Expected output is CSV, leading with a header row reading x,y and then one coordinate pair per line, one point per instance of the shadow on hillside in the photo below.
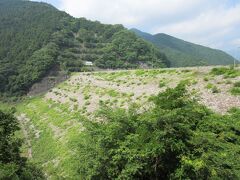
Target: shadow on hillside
x,y
53,78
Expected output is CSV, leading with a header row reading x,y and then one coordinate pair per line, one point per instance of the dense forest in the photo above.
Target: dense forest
x,y
35,37
182,53
24,29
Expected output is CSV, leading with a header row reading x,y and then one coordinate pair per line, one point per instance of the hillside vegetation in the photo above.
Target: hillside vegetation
x,y
158,123
36,37
12,164
130,125
176,139
182,53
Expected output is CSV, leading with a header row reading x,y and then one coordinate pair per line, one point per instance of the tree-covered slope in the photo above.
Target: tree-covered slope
x,y
182,53
25,28
36,37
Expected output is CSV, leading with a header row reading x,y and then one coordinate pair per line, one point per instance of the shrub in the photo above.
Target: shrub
x,y
194,81
112,93
228,82
139,72
219,71
162,84
186,70
209,86
87,103
215,89
235,91
206,79
86,97
176,139
227,72
237,84
131,94
73,99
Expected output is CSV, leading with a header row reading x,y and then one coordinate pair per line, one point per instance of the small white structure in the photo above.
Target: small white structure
x,y
88,63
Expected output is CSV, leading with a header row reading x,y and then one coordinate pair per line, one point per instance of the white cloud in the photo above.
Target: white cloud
x,y
206,22
213,23
236,42
128,12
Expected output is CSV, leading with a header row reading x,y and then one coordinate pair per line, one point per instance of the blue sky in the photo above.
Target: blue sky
x,y
213,23
56,3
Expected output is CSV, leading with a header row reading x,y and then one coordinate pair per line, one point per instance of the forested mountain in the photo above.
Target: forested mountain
x,y
36,37
182,53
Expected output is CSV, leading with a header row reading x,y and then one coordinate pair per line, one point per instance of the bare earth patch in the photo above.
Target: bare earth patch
x,y
23,120
121,88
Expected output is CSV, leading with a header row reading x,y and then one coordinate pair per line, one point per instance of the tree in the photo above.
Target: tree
x,y
12,165
176,139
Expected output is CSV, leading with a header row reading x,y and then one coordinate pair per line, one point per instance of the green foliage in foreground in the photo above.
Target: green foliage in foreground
x,y
12,165
176,139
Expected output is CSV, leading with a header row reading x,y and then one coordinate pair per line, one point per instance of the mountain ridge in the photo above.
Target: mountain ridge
x,y
184,53
36,37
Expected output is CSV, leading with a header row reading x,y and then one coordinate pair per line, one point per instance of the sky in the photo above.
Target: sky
x,y
213,23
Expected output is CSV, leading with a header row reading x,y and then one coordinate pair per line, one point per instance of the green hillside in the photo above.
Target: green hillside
x,y
36,37
121,124
117,110
182,53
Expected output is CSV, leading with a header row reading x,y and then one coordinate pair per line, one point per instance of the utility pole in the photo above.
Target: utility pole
x,y
234,63
237,57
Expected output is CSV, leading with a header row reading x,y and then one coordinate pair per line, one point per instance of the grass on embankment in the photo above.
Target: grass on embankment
x,y
53,132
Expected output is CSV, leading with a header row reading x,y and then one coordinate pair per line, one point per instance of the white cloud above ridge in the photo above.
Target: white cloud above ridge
x,y
119,11
212,23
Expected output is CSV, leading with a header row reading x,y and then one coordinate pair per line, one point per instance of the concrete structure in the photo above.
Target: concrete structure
x,y
88,63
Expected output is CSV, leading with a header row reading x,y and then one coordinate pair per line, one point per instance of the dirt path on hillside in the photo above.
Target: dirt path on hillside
x,y
23,120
